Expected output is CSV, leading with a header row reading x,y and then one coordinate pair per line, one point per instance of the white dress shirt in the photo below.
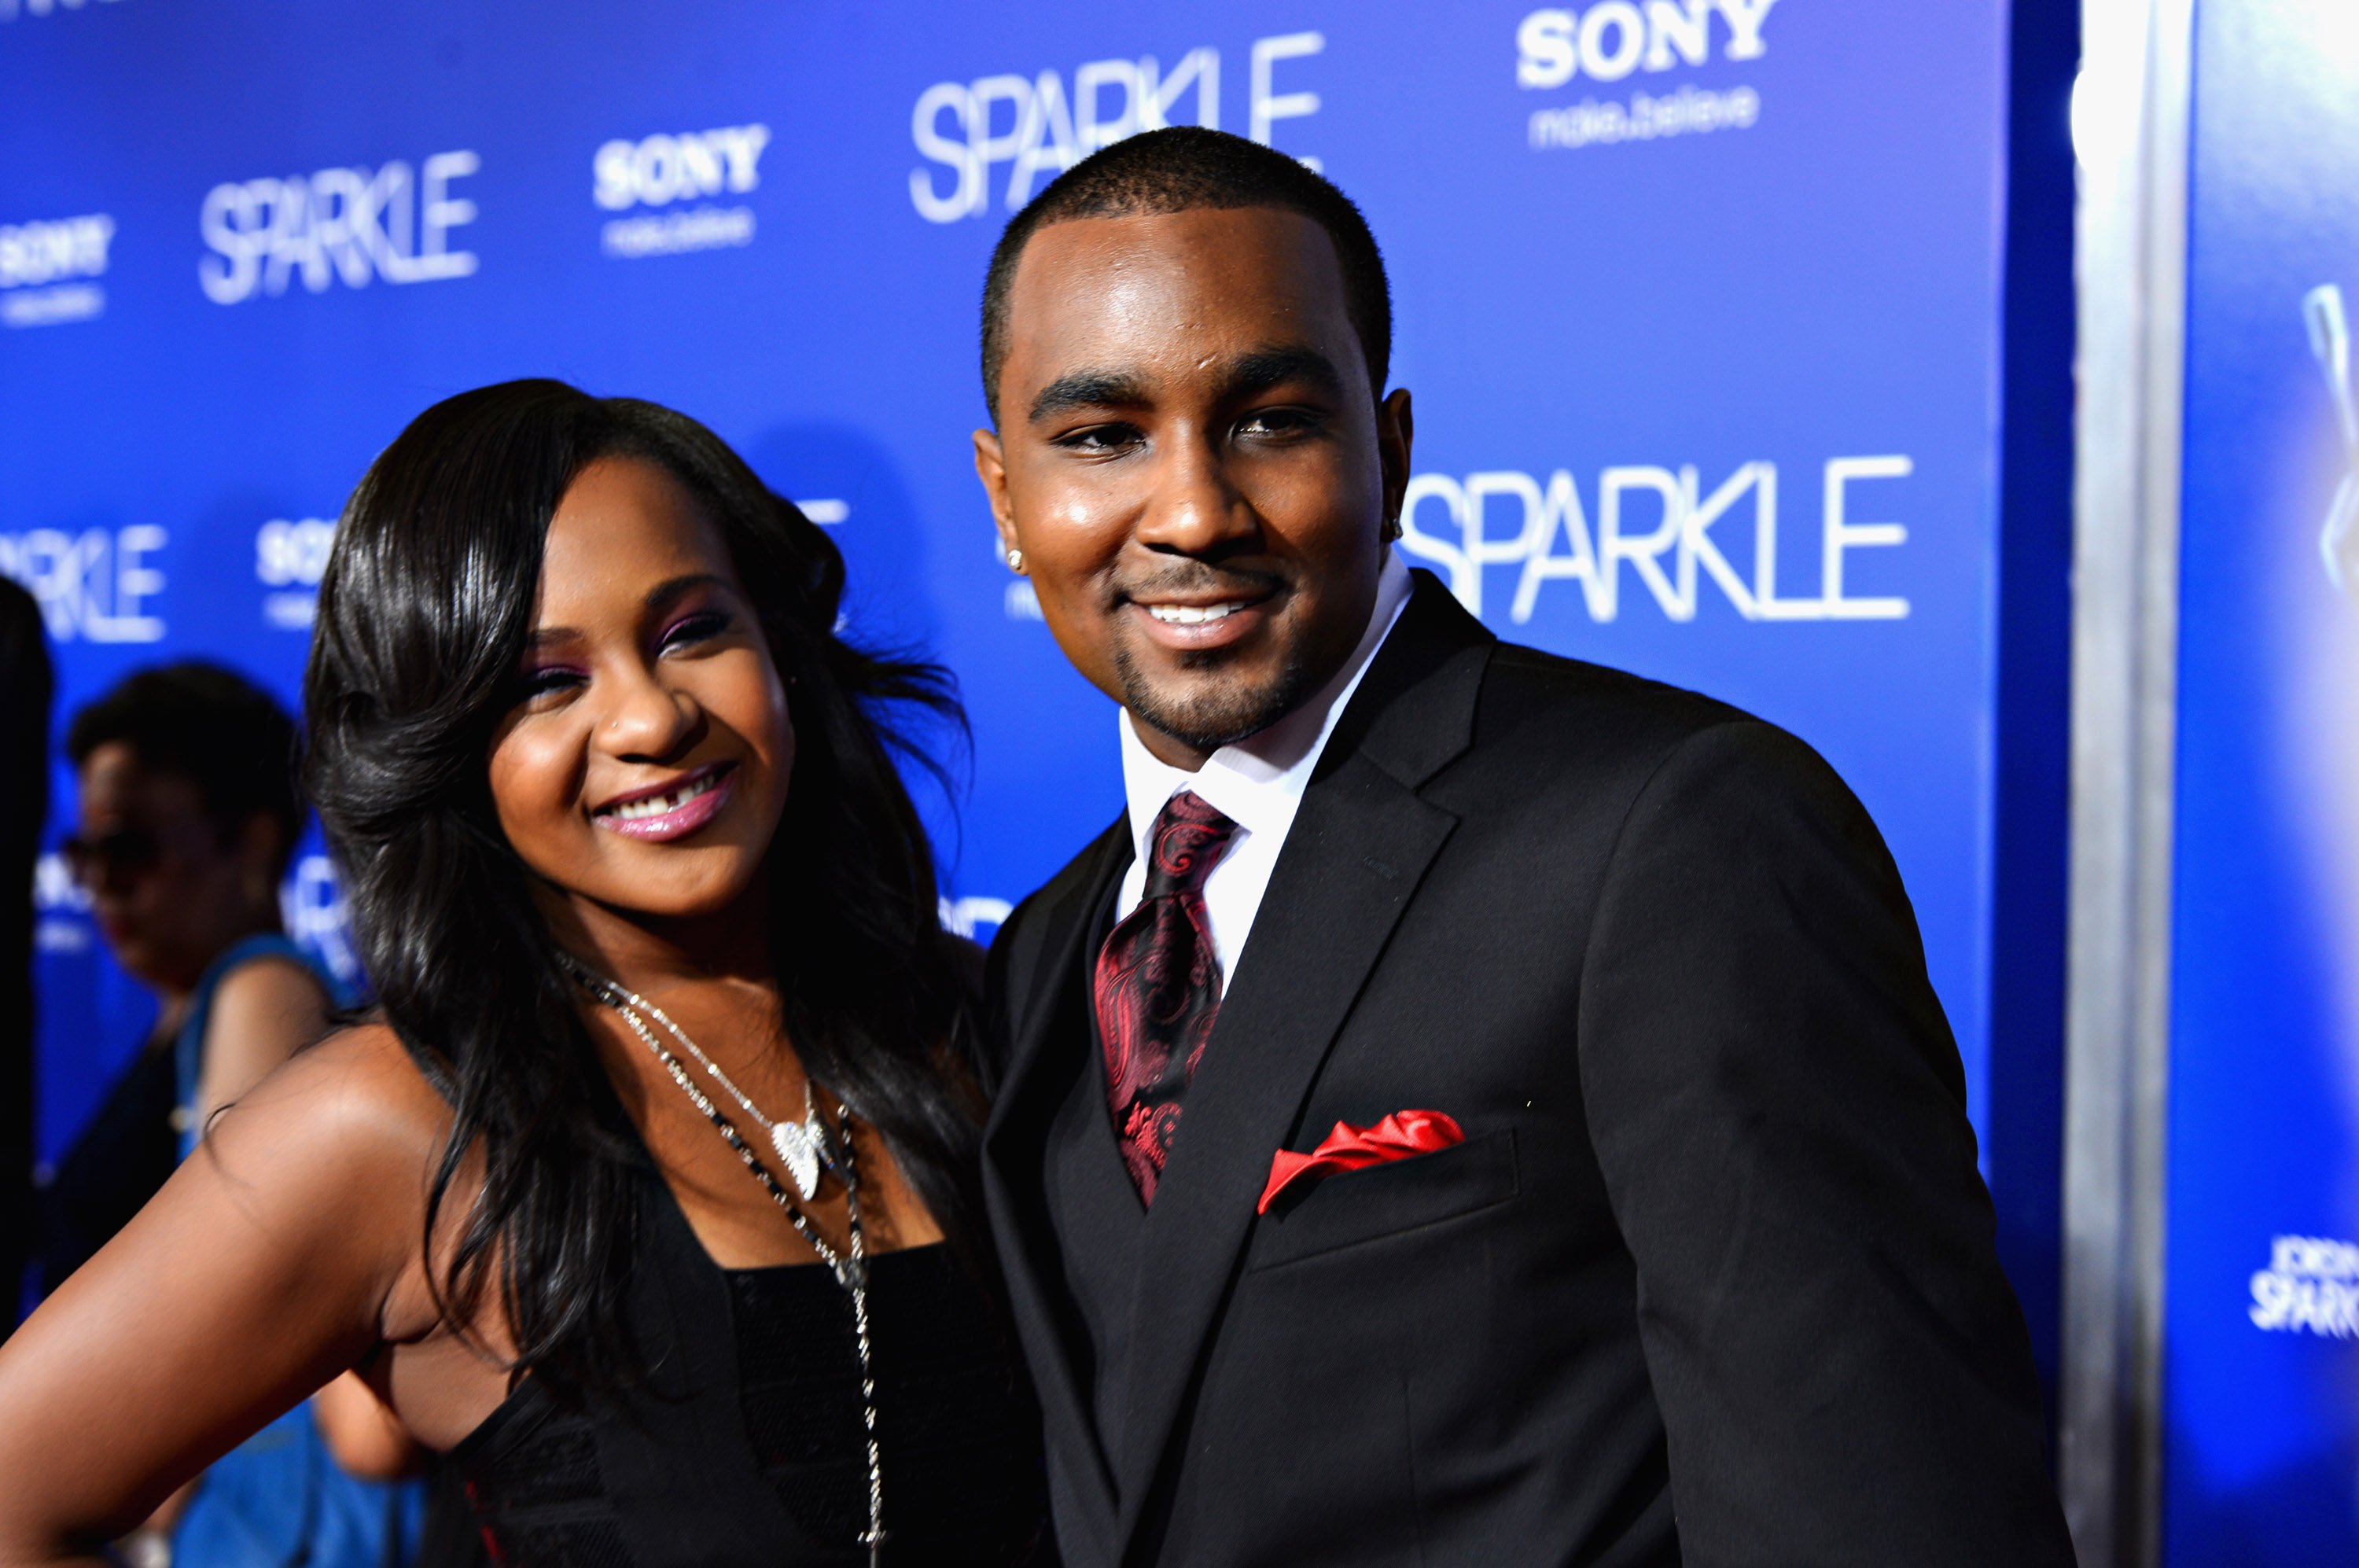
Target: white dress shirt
x,y
1257,783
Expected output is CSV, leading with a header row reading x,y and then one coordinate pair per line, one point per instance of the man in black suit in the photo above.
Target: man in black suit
x,y
1682,1254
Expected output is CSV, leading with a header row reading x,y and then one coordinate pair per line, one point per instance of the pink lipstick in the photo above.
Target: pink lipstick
x,y
671,809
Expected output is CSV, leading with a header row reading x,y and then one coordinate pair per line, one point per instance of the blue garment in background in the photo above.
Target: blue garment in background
x,y
278,1499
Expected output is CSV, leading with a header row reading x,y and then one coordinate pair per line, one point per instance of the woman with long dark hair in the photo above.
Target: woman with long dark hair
x,y
647,1194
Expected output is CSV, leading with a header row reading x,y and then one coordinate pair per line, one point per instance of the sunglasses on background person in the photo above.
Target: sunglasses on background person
x,y
112,856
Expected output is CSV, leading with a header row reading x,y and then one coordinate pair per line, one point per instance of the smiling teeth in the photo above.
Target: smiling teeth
x,y
631,810
1189,615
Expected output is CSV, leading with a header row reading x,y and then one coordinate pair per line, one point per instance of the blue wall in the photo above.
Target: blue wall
x,y
1703,303
2261,1396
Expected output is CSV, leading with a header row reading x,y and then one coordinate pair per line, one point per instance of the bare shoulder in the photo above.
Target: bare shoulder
x,y
354,1102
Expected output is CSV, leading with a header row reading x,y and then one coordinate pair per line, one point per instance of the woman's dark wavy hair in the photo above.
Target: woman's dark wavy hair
x,y
423,617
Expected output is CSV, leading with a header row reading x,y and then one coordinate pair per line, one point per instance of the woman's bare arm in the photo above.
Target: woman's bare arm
x,y
262,1270
263,1013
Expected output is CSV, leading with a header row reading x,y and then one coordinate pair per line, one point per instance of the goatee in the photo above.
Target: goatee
x,y
1214,713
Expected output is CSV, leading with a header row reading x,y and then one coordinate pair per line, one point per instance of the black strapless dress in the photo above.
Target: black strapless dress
x,y
745,1444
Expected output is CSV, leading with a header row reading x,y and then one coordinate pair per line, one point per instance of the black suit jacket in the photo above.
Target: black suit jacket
x,y
1710,1278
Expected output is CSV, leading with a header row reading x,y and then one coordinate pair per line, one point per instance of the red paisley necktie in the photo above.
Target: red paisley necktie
x,y
1157,986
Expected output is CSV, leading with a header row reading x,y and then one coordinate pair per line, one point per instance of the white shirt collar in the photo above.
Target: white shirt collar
x,y
1259,781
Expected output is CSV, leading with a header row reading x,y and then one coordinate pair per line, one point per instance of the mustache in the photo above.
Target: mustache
x,y
1200,578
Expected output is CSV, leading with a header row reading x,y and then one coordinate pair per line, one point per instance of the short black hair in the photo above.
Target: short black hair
x,y
1178,169
208,724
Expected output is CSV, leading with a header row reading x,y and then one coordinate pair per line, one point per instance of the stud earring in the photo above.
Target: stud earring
x,y
1015,560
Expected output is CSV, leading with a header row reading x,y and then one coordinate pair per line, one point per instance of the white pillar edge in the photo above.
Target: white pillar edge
x,y
2132,121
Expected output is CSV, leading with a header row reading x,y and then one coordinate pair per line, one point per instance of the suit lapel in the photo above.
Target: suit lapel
x,y
1358,848
1014,1142
1065,923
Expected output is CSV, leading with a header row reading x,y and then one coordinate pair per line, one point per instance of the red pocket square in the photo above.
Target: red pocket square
x,y
1401,1136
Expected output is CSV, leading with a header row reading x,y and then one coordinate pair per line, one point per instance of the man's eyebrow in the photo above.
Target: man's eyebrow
x,y
1089,390
1244,376
1267,367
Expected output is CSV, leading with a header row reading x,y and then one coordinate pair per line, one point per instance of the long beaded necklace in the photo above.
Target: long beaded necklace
x,y
850,1265
804,1148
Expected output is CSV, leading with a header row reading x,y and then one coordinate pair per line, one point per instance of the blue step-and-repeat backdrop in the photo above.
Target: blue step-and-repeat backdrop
x,y
1700,299
2261,1370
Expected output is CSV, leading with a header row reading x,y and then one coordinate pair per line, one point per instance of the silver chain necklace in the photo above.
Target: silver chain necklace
x,y
849,1265
804,1148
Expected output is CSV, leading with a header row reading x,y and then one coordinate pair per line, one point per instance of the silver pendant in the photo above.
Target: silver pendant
x,y
799,1154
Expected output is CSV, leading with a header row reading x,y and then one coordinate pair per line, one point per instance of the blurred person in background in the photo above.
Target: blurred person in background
x,y
25,689
188,816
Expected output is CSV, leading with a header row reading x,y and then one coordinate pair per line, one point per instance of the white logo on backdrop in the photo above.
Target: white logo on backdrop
x,y
11,10
289,558
2311,1286
310,901
351,225
1020,602
93,586
1608,41
40,267
975,918
1038,127
1659,523
660,170
61,907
